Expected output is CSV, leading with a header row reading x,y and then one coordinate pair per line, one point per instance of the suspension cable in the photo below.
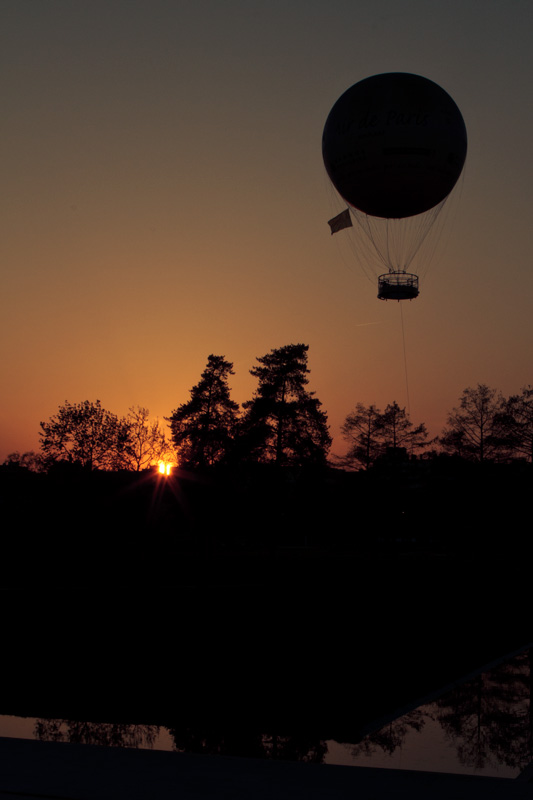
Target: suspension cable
x,y
405,363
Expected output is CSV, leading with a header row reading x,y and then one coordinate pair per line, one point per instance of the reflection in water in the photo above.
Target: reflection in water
x,y
103,733
282,748
183,740
483,726
391,737
489,718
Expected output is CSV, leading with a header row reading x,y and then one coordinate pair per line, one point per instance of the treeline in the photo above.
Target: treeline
x,y
282,424
485,426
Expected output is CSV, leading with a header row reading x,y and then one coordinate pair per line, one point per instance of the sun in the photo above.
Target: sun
x,y
164,468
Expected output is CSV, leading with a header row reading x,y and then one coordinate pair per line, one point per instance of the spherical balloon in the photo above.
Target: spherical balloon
x,y
394,145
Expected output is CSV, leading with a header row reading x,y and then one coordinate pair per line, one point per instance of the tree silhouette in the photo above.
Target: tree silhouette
x,y
87,434
519,409
204,427
476,429
371,433
284,422
361,430
30,460
147,443
397,430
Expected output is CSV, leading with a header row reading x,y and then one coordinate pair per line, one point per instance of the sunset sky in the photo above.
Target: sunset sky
x,y
164,198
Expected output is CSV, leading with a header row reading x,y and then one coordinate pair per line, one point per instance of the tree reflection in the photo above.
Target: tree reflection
x,y
390,737
294,748
488,721
103,733
489,718
252,745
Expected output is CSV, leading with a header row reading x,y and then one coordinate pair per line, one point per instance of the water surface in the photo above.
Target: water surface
x,y
482,726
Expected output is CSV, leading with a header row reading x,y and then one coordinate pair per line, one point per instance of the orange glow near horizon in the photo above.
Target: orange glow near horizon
x,y
118,284
165,468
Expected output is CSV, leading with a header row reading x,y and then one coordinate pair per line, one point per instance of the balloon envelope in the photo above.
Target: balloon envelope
x,y
394,145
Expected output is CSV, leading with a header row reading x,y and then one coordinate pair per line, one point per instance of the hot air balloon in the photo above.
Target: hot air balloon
x,y
394,146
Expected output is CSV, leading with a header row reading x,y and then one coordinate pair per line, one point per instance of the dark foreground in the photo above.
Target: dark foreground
x,y
231,610
42,769
346,642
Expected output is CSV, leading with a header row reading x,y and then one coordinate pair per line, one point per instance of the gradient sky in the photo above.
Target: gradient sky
x,y
164,198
